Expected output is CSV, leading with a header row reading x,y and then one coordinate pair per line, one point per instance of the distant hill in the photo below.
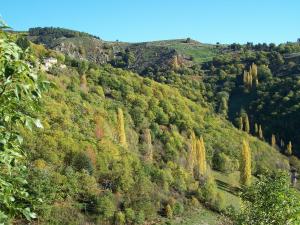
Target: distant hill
x,y
140,57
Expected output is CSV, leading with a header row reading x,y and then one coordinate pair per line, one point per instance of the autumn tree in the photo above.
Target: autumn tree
x,y
255,129
201,156
83,83
246,123
253,70
289,148
99,132
260,133
250,77
192,153
148,145
245,164
121,128
239,122
273,141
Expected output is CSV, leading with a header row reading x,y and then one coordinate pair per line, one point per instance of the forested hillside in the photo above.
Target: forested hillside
x,y
151,133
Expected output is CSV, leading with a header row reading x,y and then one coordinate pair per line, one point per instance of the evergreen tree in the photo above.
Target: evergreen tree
x,y
289,148
121,128
245,164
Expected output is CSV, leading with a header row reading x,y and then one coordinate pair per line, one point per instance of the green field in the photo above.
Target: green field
x,y
200,216
198,51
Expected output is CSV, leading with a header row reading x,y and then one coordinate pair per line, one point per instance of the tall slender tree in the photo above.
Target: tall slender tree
x,y
240,123
192,154
273,141
121,128
260,133
201,156
245,164
255,129
254,71
149,147
289,150
246,123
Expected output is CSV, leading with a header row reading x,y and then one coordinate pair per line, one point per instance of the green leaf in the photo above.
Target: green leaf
x,y
38,123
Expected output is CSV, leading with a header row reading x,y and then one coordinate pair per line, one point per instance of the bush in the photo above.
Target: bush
x,y
168,212
140,217
178,208
222,162
129,215
120,218
209,190
82,162
105,206
219,203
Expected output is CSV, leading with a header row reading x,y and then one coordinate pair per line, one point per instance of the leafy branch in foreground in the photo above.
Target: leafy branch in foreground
x,y
270,201
20,91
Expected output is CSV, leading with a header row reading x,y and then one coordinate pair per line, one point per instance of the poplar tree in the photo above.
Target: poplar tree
x,y
255,129
245,164
83,83
281,143
289,148
201,157
149,147
240,123
192,153
273,141
121,128
254,71
260,133
246,123
204,156
245,74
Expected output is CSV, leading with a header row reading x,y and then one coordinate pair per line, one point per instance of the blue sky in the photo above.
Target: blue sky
x,y
210,21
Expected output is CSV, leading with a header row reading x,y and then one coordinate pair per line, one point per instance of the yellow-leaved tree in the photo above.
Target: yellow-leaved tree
x,y
121,128
289,150
273,141
192,154
201,156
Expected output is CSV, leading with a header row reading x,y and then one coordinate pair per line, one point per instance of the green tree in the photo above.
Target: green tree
x,y
270,201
